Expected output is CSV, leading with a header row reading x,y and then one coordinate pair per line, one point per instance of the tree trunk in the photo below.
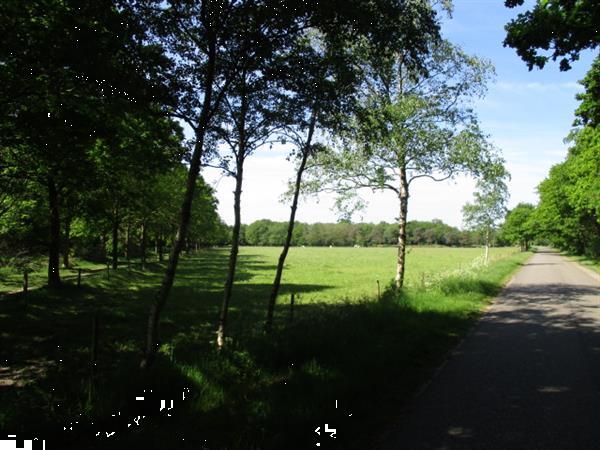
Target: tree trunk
x,y
235,234
144,245
160,248
186,208
235,244
487,246
115,239
290,229
104,239
128,241
54,248
402,219
67,241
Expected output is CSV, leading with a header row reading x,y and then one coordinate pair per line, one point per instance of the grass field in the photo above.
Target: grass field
x,y
261,392
352,273
318,273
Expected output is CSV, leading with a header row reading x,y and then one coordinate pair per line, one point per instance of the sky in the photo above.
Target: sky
x,y
527,114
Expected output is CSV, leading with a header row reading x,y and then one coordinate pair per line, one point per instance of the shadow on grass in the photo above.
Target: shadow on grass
x,y
261,392
456,285
266,392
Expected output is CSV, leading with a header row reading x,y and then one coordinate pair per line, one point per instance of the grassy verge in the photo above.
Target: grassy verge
x,y
590,263
260,393
11,279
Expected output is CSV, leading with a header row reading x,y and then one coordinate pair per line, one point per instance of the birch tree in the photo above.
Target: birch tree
x,y
410,124
248,121
317,97
201,38
488,209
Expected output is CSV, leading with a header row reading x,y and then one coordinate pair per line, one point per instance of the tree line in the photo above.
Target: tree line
x,y
347,234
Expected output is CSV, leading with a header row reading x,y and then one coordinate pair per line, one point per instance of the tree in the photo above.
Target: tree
x,y
249,118
562,27
588,112
209,53
70,69
487,209
519,227
410,125
323,89
569,209
201,38
150,143
567,213
327,88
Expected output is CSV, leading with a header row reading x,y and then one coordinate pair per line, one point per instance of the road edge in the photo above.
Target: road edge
x,y
451,353
590,272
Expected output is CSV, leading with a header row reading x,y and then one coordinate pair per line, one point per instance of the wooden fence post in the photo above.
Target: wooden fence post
x,y
25,281
94,344
93,357
292,307
378,291
79,277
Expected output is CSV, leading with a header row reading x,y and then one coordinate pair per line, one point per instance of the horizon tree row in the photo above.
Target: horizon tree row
x,y
266,232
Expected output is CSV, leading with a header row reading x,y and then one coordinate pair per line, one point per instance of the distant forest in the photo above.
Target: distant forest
x,y
343,234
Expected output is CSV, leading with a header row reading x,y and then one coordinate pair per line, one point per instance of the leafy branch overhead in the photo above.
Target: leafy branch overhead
x,y
554,30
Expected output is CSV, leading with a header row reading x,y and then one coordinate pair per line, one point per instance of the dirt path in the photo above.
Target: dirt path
x,y
528,377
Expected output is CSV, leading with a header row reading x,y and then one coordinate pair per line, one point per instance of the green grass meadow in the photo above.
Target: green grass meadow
x,y
261,392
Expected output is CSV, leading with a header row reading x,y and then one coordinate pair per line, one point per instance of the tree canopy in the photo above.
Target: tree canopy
x,y
554,29
520,227
569,209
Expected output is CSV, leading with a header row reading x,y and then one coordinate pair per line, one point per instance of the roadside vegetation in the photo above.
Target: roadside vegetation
x,y
591,263
258,392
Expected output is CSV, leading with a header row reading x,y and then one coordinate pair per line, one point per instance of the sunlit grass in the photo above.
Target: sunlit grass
x,y
263,392
11,279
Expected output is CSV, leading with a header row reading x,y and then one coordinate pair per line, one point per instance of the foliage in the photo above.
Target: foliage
x,y
409,124
343,234
569,208
422,124
588,111
487,209
562,27
520,226
69,72
569,197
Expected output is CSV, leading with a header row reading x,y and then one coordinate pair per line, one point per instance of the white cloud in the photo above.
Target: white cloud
x,y
536,87
266,180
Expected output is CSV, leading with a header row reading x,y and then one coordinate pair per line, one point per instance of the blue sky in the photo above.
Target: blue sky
x,y
526,113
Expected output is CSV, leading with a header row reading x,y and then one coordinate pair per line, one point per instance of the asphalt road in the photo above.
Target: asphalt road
x,y
527,377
